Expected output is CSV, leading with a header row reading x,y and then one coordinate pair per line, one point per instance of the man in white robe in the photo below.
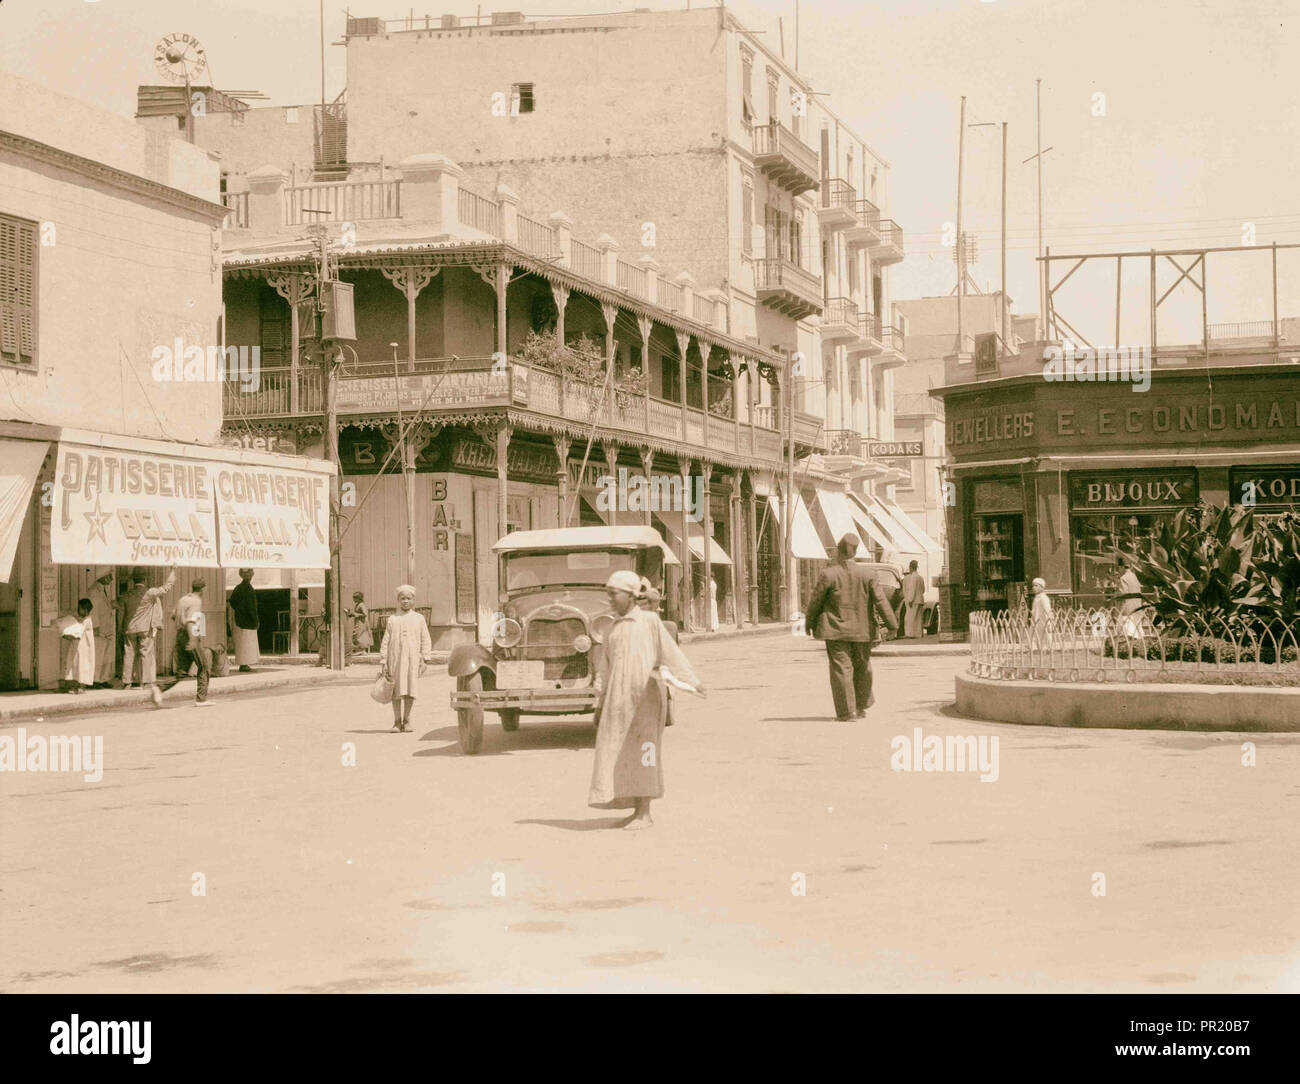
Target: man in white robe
x,y
914,603
628,768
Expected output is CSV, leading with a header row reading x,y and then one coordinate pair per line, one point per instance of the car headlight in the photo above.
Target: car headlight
x,y
507,632
601,628
582,643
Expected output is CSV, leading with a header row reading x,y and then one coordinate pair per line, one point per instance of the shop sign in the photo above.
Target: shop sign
x,y
272,516
432,391
1264,485
893,449
116,507
1132,489
282,443
120,507
990,427
998,495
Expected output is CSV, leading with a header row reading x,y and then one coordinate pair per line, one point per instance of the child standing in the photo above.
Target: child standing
x,y
78,637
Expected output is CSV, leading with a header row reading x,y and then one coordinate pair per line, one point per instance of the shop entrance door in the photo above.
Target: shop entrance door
x,y
999,562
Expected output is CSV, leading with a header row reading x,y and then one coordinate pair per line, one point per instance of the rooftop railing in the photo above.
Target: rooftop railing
x,y
342,201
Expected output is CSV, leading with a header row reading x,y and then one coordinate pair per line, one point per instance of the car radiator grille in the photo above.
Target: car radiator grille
x,y
551,640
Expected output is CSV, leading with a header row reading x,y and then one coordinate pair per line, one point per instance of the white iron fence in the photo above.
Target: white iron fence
x,y
1106,645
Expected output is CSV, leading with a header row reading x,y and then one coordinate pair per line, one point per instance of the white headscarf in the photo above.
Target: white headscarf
x,y
623,580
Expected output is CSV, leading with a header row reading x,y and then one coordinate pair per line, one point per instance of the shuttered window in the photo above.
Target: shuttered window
x,y
746,219
17,291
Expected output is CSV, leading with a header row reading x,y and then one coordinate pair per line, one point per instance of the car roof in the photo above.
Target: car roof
x,y
580,538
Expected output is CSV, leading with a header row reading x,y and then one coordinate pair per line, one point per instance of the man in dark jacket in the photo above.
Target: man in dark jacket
x,y
845,612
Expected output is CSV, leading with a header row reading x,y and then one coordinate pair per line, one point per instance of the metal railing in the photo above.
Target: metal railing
x,y
536,237
841,310
1077,644
1245,329
869,326
779,273
891,338
342,201
891,234
868,214
838,193
478,212
238,204
586,260
776,139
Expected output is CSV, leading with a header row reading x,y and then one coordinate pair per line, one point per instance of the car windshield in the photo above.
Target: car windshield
x,y
526,570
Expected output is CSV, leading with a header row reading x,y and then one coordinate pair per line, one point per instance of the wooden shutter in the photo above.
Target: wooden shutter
x,y
747,220
17,291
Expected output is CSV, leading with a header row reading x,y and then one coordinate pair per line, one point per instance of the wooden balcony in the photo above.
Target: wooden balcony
x,y
438,385
342,201
865,228
787,288
238,204
836,207
890,248
785,158
840,320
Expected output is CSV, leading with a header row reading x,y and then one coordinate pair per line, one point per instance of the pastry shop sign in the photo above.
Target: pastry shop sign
x,y
1132,489
122,507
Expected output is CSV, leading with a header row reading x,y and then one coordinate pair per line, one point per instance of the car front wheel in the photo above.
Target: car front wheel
x,y
469,721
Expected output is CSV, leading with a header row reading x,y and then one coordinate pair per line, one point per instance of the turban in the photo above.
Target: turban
x,y
1040,583
624,580
407,589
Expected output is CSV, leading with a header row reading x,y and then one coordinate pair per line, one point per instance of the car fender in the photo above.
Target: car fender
x,y
467,658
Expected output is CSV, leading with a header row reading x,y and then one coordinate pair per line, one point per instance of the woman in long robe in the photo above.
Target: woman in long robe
x,y
406,648
628,768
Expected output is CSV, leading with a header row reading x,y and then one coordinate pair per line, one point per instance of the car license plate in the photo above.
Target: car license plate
x,y
521,674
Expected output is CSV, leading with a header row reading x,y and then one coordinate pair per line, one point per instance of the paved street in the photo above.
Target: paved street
x,y
380,877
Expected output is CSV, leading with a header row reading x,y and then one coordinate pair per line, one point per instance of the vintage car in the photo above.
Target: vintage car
x,y
554,617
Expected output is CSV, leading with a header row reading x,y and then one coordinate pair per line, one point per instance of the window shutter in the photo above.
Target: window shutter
x,y
17,291
747,220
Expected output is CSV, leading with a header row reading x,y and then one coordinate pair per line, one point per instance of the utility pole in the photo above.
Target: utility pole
x,y
961,241
408,474
788,602
329,378
1004,235
1038,154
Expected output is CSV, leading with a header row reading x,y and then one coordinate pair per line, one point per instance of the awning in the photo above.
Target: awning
x,y
20,463
928,544
131,501
867,524
899,540
277,579
803,538
717,555
835,506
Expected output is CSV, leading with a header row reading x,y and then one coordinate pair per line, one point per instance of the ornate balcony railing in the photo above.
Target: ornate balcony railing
x,y
670,295
706,311
633,279
890,248
865,228
787,287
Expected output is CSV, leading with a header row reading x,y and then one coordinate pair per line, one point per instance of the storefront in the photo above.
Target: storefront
x,y
1054,480
80,511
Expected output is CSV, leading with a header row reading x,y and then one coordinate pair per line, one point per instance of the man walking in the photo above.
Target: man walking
x,y
190,646
844,611
913,602
136,610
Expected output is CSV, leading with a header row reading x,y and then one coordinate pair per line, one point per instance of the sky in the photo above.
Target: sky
x,y
1195,144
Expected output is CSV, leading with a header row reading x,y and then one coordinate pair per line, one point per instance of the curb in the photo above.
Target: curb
x,y
893,650
1114,706
734,634
87,704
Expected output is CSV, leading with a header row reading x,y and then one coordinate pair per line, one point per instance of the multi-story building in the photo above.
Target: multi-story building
x,y
704,160
110,331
